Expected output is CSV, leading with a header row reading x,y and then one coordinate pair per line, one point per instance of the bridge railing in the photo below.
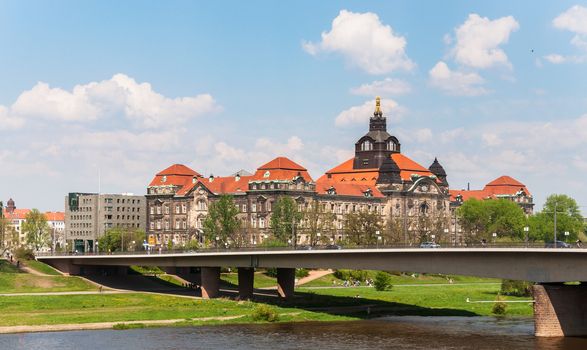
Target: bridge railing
x,y
252,248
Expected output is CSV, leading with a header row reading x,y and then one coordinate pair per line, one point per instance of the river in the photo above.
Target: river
x,y
384,333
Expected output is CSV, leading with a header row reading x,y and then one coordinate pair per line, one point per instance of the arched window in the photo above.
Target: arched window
x,y
201,205
424,209
391,146
366,145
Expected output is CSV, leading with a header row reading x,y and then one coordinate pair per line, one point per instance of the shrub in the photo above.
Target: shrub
x,y
516,288
382,281
23,253
342,274
301,273
265,313
271,272
499,308
358,275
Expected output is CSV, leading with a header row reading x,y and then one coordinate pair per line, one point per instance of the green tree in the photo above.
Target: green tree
x,y
36,229
284,218
481,218
114,239
222,222
382,281
568,219
361,228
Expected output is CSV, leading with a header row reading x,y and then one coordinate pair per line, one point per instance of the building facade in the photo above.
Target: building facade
x,y
89,215
412,201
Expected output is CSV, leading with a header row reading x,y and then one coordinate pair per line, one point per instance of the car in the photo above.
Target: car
x,y
429,245
333,246
559,244
304,247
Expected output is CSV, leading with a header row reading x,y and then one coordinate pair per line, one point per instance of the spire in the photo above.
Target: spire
x,y
378,112
389,172
437,169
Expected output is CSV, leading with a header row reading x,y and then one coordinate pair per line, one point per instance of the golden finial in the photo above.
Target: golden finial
x,y
377,106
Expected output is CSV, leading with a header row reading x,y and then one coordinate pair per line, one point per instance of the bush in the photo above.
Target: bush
x,y
358,275
382,281
301,273
499,308
265,313
516,288
22,253
271,272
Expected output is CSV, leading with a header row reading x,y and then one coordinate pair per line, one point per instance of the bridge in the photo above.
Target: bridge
x,y
559,309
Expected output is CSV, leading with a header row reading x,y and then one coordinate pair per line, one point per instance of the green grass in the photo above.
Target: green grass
x,y
12,281
327,281
41,267
6,267
261,279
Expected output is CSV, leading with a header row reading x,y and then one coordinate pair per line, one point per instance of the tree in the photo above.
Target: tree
x,y
284,218
382,281
361,228
481,218
36,229
568,219
393,230
317,221
222,222
114,239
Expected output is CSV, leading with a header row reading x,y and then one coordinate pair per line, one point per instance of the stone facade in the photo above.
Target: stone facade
x,y
411,200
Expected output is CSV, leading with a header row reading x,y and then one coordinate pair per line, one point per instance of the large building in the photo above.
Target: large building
x,y
89,215
412,200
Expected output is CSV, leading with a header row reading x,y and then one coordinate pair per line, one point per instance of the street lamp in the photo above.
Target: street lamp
x,y
446,234
318,237
377,234
217,238
97,247
566,236
494,236
526,230
433,237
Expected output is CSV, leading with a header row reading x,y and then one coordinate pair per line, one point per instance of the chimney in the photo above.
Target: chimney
x,y
211,178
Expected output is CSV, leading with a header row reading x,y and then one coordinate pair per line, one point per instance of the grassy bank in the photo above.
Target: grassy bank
x,y
13,281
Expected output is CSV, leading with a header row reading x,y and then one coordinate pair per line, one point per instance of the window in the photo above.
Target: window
x,y
254,207
177,209
262,223
184,208
366,145
184,224
268,206
177,223
166,225
253,222
166,209
244,208
391,146
152,225
158,210
158,225
152,210
424,209
201,205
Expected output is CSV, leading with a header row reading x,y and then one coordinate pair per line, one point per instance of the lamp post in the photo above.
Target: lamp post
x,y
97,247
317,238
567,236
217,238
526,230
494,236
133,246
433,237
446,234
378,235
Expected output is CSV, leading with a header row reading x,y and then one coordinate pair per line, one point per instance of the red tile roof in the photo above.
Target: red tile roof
x,y
55,216
280,168
346,189
176,175
221,185
502,186
17,214
345,172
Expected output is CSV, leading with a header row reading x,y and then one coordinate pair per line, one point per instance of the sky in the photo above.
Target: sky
x,y
101,95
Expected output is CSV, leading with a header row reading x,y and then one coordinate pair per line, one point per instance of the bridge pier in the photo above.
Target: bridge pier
x,y
210,280
246,279
560,310
286,279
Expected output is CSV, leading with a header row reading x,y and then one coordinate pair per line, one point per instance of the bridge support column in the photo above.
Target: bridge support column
x,y
246,279
286,279
560,310
210,282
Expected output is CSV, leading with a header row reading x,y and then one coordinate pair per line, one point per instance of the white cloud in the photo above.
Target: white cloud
x,y
478,41
229,153
423,135
119,96
455,82
7,121
491,139
361,114
560,59
385,87
365,42
574,20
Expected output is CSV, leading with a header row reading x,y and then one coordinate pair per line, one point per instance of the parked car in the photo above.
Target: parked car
x,y
304,247
559,244
429,245
333,246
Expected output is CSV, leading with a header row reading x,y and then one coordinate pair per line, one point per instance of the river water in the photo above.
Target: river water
x,y
384,333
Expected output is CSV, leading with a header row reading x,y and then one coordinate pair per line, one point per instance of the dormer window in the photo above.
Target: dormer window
x,y
164,178
368,193
331,191
391,146
366,145
267,173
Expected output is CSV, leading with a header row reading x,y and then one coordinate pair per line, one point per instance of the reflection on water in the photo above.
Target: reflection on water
x,y
384,333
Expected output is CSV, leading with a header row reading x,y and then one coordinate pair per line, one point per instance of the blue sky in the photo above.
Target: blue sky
x,y
490,88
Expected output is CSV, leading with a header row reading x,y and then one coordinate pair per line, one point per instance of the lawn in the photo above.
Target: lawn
x,y
12,281
331,280
41,267
261,279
